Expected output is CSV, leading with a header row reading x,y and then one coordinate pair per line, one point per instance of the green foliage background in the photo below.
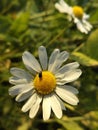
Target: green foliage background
x,y
27,24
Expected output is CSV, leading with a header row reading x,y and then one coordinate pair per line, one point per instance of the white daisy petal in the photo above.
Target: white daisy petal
x,y
16,80
35,107
61,103
52,58
63,7
59,7
76,20
87,25
81,27
34,110
71,89
56,106
67,96
43,57
72,65
72,75
46,107
23,96
66,68
85,16
20,88
29,103
69,76
61,58
20,73
31,62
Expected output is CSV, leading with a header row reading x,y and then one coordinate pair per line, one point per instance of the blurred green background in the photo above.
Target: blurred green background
x,y
27,24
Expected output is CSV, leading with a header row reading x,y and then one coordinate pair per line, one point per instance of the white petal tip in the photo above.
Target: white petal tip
x,y
41,47
23,110
31,117
10,92
45,119
76,102
59,117
25,53
80,72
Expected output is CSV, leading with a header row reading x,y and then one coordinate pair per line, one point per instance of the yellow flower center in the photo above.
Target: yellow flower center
x,y
45,82
78,12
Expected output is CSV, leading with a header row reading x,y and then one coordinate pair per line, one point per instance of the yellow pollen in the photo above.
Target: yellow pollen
x,y
78,12
45,82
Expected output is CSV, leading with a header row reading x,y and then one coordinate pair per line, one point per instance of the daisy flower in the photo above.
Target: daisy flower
x,y
78,15
45,83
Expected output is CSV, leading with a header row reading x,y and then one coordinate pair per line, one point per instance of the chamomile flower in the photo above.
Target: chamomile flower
x,y
45,83
77,14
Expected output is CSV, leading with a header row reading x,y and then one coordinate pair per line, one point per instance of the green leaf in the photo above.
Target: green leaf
x,y
91,47
91,120
94,17
84,59
5,23
25,124
20,24
70,125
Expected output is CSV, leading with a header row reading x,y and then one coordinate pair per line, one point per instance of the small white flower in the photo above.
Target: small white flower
x,y
45,84
78,15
